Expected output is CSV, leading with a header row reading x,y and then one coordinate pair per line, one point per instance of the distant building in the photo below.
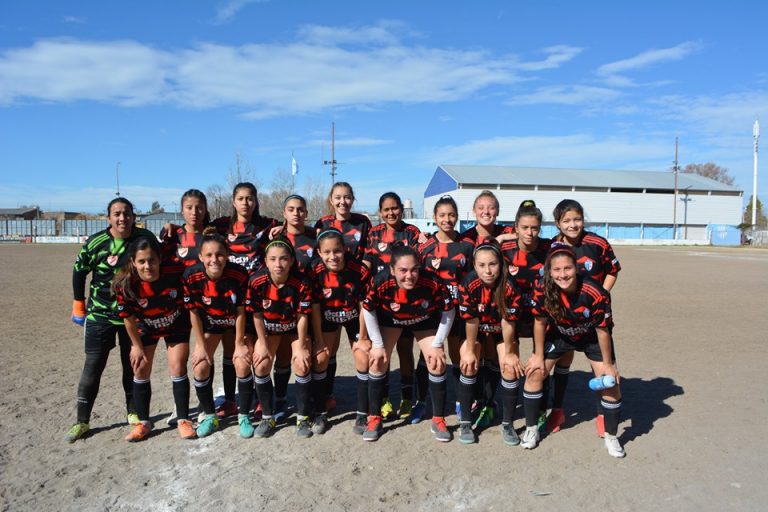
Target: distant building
x,y
19,213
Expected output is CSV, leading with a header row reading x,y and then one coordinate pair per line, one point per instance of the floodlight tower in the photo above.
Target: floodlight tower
x,y
756,135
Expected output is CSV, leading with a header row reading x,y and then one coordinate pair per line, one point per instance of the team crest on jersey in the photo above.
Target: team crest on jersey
x,y
206,300
173,294
266,303
585,313
231,237
588,265
436,262
182,252
394,306
143,302
310,252
357,236
462,261
112,260
327,293
382,246
233,297
481,308
541,272
425,304
513,270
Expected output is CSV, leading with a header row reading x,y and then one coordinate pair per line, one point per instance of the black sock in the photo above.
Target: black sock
x,y
492,379
482,376
125,361
531,401
303,383
282,376
264,390
612,412
362,393
422,379
466,394
245,389
142,394
385,389
90,380
406,387
229,377
375,393
330,380
561,383
438,386
204,390
319,391
509,390
544,395
181,396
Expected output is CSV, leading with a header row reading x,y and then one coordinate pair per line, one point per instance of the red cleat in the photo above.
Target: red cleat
x,y
555,420
600,424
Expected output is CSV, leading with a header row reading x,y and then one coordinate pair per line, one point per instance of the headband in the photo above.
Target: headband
x,y
329,232
488,245
560,248
278,241
294,196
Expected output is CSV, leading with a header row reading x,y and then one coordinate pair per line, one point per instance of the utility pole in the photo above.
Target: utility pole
x,y
117,178
675,168
756,135
332,162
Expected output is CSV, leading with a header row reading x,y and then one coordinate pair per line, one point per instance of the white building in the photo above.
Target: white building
x,y
617,204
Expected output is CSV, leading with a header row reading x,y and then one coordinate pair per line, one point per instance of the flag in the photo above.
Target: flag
x,y
294,166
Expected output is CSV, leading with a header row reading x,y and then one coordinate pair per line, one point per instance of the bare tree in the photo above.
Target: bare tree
x,y
710,170
317,198
219,202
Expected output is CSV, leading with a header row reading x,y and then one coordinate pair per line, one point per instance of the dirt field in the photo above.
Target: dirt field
x,y
691,335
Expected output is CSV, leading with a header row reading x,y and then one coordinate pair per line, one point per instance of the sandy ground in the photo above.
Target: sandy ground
x,y
691,339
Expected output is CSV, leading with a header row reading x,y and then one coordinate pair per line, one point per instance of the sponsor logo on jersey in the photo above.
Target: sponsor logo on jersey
x,y
327,293
112,260
206,300
266,303
481,308
585,313
382,246
513,270
143,303
182,252
394,306
310,251
462,261
436,262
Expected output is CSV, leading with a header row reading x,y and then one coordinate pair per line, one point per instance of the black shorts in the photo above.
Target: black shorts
x,y
215,325
525,324
496,337
275,329
100,336
555,346
459,327
352,328
170,339
428,324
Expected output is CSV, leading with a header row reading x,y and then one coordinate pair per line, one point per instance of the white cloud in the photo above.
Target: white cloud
x,y
565,95
77,20
558,55
227,10
87,199
613,72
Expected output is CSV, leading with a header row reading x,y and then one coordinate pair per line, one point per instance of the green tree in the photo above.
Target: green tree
x,y
746,219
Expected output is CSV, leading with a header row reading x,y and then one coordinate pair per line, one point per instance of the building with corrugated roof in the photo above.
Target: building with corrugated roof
x,y
617,204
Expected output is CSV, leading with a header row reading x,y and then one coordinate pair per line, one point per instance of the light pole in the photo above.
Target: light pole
x,y
756,135
685,201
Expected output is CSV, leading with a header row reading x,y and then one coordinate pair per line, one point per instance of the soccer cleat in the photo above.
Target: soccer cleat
x,y
139,432
404,411
555,420
541,422
440,430
614,447
320,425
246,428
281,411
508,435
530,438
265,428
173,419
132,418
600,425
77,431
226,409
466,436
257,411
330,404
417,413
361,424
186,430
485,418
208,426
373,429
387,409
303,427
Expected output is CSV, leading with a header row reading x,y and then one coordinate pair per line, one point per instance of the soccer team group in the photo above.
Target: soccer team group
x,y
277,295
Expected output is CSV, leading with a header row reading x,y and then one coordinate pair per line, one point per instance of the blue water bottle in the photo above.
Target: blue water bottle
x,y
602,382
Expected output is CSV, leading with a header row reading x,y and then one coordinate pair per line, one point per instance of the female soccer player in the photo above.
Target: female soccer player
x,y
280,300
595,257
150,300
180,243
102,253
214,292
489,302
578,310
353,226
486,210
402,299
302,238
377,258
449,259
339,282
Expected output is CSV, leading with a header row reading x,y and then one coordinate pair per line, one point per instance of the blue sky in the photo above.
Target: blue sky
x,y
174,90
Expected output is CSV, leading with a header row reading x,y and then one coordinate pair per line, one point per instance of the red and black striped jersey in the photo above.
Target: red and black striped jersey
x,y
472,236
280,305
381,237
158,306
478,301
526,267
246,240
595,257
180,246
585,310
450,261
217,300
304,245
407,307
340,293
355,232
